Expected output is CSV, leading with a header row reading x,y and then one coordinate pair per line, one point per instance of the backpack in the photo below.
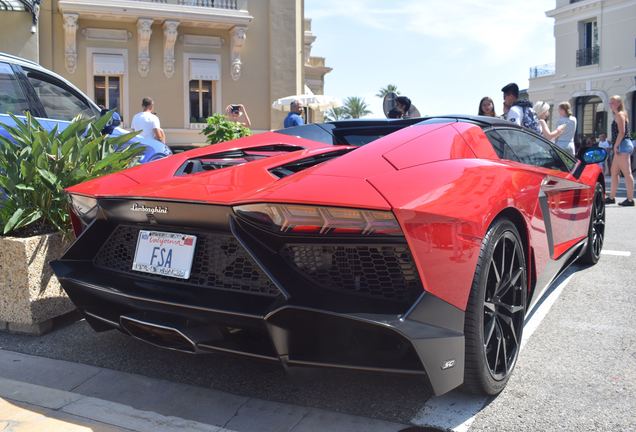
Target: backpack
x,y
530,119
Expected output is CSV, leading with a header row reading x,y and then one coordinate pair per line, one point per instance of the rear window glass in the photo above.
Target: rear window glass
x,y
348,134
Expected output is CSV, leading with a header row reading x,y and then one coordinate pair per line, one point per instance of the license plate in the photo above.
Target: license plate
x,y
164,253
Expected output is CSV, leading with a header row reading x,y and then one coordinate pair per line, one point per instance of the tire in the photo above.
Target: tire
x,y
496,310
596,230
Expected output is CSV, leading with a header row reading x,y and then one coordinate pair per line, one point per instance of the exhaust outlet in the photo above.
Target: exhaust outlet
x,y
157,334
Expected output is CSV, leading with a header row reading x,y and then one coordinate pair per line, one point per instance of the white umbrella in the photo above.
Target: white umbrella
x,y
317,102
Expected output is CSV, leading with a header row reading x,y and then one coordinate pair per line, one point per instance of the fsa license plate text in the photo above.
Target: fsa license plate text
x,y
163,253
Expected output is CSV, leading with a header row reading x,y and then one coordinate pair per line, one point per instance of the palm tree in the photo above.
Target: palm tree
x,y
391,88
336,113
356,107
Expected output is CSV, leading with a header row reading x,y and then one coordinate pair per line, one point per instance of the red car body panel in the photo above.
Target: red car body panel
x,y
443,182
444,230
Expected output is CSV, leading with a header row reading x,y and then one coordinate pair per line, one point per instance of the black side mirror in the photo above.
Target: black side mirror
x,y
588,156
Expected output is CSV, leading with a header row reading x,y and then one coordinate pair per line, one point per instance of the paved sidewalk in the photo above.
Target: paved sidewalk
x,y
19,417
38,393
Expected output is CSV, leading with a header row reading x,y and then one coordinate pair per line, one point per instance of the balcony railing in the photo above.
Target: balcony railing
x,y
542,70
221,4
587,56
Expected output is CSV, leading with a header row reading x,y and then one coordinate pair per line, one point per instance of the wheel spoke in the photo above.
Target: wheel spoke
x,y
505,352
510,308
489,307
494,369
504,288
516,276
494,266
503,256
491,329
512,262
511,325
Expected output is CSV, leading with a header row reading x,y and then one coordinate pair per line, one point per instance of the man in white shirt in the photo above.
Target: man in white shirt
x,y
513,113
147,122
519,111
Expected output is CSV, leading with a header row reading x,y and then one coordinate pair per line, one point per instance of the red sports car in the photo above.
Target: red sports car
x,y
408,246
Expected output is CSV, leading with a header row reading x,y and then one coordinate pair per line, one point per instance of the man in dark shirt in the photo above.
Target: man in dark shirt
x,y
294,118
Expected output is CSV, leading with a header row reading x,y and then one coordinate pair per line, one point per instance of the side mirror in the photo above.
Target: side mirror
x,y
594,155
589,156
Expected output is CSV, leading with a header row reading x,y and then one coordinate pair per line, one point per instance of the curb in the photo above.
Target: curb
x,y
103,396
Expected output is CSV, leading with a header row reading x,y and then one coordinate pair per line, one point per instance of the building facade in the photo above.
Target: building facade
x,y
193,57
595,59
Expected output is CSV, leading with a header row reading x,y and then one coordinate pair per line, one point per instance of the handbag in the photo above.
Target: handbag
x,y
626,146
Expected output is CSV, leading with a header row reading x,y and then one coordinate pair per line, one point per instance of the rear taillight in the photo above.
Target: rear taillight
x,y
83,211
304,219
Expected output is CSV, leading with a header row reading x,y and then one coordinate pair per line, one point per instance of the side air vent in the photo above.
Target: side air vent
x,y
302,164
231,158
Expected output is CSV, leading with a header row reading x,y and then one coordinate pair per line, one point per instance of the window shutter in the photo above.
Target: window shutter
x,y
108,64
207,70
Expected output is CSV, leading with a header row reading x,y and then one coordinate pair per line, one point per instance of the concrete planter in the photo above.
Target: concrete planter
x,y
30,295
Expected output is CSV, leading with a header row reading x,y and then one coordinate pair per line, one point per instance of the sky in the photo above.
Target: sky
x,y
445,55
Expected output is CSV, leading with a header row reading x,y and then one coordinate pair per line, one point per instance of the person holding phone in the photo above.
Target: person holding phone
x,y
238,113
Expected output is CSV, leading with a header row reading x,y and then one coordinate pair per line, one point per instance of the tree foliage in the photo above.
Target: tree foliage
x,y
356,107
390,88
337,113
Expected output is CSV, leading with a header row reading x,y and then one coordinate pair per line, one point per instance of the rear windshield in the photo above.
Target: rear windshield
x,y
352,133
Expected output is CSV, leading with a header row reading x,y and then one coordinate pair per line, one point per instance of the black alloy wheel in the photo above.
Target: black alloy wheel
x,y
596,233
496,310
504,306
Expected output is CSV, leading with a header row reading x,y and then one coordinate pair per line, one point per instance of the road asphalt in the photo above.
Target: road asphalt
x,y
577,372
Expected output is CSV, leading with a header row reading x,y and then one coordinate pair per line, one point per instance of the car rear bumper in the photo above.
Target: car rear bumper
x,y
428,340
355,303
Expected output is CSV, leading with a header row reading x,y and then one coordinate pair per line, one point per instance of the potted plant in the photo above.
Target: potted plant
x,y
220,129
35,167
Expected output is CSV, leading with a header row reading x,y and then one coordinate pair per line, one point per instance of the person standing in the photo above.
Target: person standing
x,y
238,113
623,148
519,111
543,112
294,117
605,144
486,107
566,128
148,123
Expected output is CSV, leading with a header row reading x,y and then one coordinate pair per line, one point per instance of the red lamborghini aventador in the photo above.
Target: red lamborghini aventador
x,y
408,246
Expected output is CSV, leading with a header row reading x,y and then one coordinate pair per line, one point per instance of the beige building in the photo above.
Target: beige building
x,y
595,59
193,57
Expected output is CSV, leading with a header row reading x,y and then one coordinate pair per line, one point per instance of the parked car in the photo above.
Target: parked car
x,y
408,246
26,86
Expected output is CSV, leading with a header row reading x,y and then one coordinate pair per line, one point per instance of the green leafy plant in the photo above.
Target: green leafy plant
x,y
36,165
220,129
